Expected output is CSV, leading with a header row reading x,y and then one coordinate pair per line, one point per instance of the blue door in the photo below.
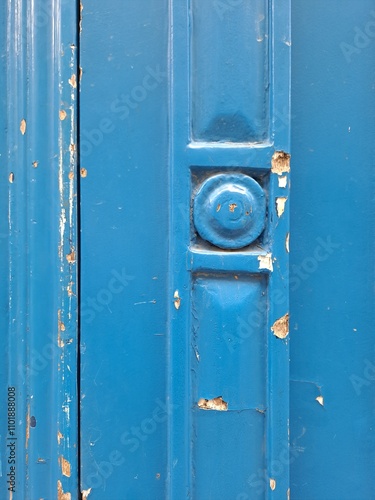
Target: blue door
x,y
186,231
185,239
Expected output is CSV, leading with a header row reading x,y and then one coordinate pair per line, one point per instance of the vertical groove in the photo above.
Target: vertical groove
x,y
79,255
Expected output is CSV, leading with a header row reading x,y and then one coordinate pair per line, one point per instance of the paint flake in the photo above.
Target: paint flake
x,y
73,81
60,493
217,404
65,466
177,300
280,205
85,494
283,181
280,163
287,242
23,126
265,261
320,400
71,257
281,327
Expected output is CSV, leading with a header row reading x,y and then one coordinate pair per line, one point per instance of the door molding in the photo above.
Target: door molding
x,y
255,142
39,245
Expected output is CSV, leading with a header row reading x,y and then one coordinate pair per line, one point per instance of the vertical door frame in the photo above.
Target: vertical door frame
x,y
39,246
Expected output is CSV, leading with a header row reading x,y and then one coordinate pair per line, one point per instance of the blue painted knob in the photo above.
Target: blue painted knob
x,y
230,210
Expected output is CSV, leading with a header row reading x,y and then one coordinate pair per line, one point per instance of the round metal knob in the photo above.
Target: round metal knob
x,y
230,210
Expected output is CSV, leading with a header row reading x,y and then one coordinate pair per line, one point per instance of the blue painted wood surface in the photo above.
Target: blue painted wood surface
x,y
184,345
184,359
332,251
38,320
124,282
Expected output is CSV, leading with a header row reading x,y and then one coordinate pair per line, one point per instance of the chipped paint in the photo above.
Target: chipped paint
x,y
197,355
85,494
83,172
69,290
11,177
61,193
280,163
273,484
35,164
62,114
71,207
265,261
287,242
177,300
288,494
280,205
71,257
320,400
60,328
27,426
281,327
232,207
23,126
59,437
283,181
60,493
65,466
217,404
62,230
72,150
80,17
73,81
